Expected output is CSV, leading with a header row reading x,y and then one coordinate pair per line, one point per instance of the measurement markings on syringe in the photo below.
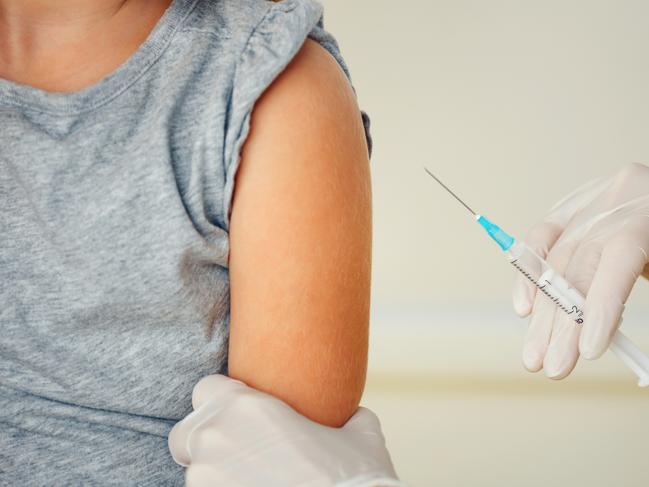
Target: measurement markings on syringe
x,y
553,298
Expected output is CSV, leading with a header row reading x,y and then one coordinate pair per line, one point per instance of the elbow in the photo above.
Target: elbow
x,y
326,398
334,407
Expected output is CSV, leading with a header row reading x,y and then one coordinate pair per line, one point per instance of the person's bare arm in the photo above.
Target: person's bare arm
x,y
300,243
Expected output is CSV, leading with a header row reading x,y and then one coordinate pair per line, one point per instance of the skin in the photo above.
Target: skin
x,y
300,232
66,45
301,243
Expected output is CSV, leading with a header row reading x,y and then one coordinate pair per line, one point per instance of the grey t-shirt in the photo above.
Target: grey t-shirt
x,y
114,204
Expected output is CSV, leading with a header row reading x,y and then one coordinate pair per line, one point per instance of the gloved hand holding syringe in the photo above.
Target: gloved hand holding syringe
x,y
599,222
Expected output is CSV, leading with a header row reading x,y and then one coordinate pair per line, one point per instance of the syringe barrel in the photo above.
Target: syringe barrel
x,y
571,301
547,280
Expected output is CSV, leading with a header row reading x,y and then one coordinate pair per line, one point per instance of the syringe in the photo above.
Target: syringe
x,y
556,288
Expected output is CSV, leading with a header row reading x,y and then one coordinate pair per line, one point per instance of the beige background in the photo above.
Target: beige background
x,y
513,104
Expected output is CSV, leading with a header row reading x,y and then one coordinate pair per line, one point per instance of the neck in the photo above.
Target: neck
x,y
63,45
23,14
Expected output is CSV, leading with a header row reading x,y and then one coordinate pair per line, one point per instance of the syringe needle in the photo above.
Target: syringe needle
x,y
451,192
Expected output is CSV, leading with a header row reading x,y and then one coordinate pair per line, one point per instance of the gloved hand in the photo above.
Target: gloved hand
x,y
238,436
598,239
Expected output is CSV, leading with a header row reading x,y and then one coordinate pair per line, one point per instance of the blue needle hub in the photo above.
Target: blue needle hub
x,y
502,238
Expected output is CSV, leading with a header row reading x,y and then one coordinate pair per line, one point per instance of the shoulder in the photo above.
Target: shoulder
x,y
312,98
288,81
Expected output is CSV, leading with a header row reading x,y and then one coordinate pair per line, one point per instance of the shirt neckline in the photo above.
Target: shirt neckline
x,y
111,85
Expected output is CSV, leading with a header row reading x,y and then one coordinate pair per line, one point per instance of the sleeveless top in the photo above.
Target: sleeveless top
x,y
114,213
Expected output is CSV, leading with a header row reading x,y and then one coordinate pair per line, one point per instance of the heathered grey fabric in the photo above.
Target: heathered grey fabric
x,y
114,201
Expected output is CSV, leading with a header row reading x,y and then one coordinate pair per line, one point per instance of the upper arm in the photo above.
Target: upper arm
x,y
300,243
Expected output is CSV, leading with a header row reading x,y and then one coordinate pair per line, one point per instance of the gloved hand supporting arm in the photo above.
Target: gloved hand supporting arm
x,y
239,436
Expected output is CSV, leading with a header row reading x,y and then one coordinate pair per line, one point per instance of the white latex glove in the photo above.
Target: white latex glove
x,y
238,436
598,239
